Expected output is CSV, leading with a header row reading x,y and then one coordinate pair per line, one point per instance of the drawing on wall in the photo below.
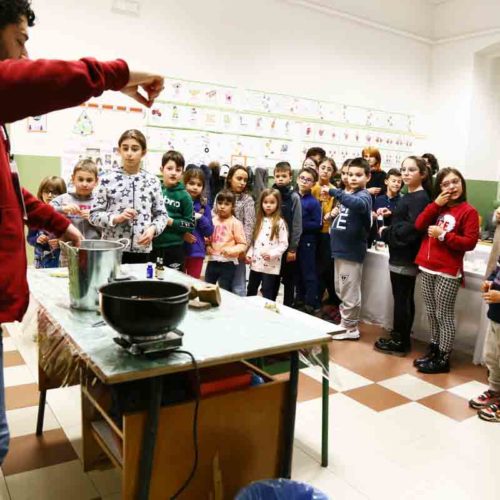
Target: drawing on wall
x,y
83,125
37,123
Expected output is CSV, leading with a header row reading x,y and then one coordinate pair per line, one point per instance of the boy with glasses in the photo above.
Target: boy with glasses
x,y
306,293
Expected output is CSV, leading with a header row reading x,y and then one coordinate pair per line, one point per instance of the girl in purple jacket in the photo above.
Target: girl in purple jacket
x,y
194,243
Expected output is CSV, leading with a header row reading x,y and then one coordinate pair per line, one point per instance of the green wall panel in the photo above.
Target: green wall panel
x,y
482,195
32,169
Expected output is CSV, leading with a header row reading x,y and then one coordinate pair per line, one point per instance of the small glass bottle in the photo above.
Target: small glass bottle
x,y
149,271
160,270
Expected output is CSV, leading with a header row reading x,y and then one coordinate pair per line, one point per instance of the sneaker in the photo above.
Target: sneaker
x,y
490,413
347,335
391,346
485,399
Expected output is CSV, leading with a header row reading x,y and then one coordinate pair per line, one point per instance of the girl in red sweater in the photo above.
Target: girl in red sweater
x,y
452,227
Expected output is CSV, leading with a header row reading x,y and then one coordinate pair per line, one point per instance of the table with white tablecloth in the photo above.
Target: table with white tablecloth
x,y
470,309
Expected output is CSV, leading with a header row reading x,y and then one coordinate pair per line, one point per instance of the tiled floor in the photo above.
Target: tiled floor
x,y
394,433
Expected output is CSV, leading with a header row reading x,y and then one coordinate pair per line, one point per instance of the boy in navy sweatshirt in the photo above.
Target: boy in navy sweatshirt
x,y
306,293
349,235
488,403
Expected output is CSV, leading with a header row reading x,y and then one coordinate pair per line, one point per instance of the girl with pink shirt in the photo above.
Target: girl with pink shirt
x,y
269,242
226,243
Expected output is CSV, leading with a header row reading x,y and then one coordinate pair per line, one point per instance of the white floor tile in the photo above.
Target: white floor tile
x,y
23,420
59,482
4,493
9,344
410,387
74,434
341,379
66,405
107,482
18,375
469,390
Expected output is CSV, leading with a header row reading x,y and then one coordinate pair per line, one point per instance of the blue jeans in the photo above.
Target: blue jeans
x,y
4,428
240,280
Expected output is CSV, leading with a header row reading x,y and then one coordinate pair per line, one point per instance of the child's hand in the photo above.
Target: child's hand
x,y
374,191
170,221
485,286
291,256
442,199
335,211
189,238
146,237
42,239
84,214
224,252
327,217
127,214
266,256
435,231
54,244
248,259
71,209
384,212
324,191
492,297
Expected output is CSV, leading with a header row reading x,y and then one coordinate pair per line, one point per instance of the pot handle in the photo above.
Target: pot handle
x,y
124,241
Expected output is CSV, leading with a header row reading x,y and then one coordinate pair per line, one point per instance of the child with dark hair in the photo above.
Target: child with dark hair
x,y
129,203
46,245
452,227
194,243
317,154
291,212
349,234
169,245
306,282
404,241
226,243
244,210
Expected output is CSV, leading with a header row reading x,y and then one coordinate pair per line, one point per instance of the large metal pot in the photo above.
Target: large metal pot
x,y
144,308
91,265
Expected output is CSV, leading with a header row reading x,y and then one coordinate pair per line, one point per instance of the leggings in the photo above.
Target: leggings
x,y
440,294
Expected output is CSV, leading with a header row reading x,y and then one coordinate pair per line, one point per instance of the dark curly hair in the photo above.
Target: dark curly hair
x,y
11,12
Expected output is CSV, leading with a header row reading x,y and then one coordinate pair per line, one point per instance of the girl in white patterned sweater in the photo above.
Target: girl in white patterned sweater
x,y
269,243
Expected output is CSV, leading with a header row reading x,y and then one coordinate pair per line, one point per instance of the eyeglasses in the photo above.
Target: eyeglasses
x,y
53,193
452,182
306,180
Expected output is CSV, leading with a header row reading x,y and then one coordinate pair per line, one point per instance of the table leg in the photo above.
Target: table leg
x,y
325,354
286,471
41,412
149,437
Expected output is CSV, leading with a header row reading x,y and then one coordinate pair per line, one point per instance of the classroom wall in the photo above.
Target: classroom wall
x,y
265,44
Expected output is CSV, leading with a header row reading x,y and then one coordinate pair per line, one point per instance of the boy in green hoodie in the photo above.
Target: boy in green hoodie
x,y
169,246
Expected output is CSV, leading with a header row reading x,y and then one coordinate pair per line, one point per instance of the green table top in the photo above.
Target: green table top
x,y
240,328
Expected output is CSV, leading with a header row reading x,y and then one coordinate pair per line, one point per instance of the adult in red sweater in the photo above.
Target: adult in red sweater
x,y
452,227
29,88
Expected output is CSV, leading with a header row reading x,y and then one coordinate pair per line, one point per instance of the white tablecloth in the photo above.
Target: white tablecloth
x,y
470,309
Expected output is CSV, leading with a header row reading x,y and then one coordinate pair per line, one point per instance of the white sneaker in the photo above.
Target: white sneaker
x,y
347,335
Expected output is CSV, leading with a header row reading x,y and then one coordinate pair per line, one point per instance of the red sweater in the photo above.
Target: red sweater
x,y
461,223
30,88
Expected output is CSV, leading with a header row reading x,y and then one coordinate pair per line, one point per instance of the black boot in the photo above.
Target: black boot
x,y
440,363
392,346
432,350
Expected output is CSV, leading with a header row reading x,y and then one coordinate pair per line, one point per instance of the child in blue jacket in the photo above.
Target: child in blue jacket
x,y
307,289
194,243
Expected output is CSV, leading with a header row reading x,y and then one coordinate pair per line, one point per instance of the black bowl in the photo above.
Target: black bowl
x,y
143,308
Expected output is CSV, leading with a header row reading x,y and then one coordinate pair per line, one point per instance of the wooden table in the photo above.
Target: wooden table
x,y
241,328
